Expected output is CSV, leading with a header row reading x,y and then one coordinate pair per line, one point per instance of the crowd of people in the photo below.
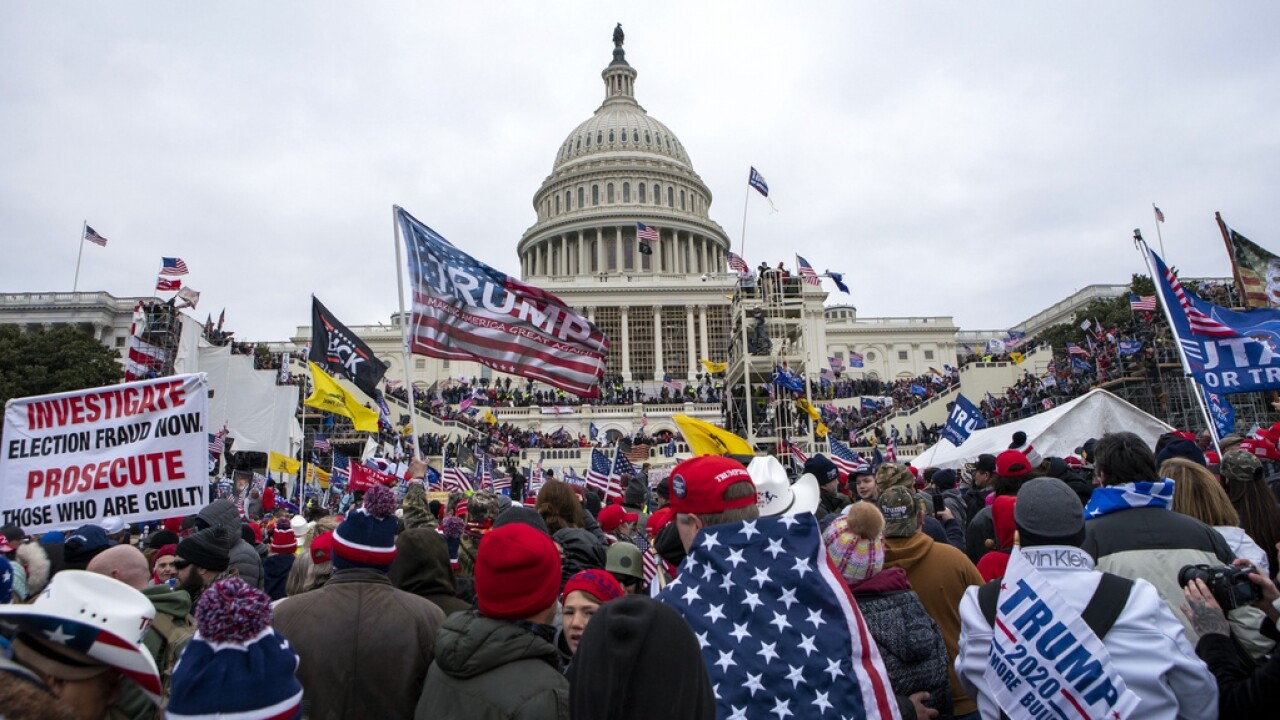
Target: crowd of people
x,y
735,589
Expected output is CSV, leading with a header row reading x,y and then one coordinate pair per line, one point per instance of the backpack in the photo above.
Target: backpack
x,y
1104,608
175,637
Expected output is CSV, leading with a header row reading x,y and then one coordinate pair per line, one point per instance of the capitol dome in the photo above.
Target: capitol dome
x,y
619,168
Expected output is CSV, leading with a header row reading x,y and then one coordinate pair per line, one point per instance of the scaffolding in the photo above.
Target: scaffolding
x,y
154,339
769,337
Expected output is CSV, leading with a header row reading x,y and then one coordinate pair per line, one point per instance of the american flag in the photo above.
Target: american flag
x,y
736,263
848,461
218,442
322,444
672,385
484,471
775,620
797,453
164,284
599,472
1074,349
825,374
836,363
645,232
650,562
855,359
341,469
1159,215
501,323
455,478
891,451
172,266
623,470
639,453
92,236
806,272
1201,324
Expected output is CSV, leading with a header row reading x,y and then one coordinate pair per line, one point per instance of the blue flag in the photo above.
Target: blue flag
x,y
918,389
838,279
787,380
1128,347
1080,365
855,359
964,419
778,628
1227,351
868,405
1223,414
756,180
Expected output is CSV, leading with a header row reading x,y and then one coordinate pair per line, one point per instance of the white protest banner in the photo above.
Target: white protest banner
x,y
1044,659
136,451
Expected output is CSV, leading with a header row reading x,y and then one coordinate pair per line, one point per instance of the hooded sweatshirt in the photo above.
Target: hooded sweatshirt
x,y
422,567
244,558
633,646
487,669
940,575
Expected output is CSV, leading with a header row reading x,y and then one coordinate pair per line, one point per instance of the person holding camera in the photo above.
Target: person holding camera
x,y
1245,689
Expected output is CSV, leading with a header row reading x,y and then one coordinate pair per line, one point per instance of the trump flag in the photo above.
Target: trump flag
x,y
466,310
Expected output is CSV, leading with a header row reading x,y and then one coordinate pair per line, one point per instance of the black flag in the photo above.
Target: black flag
x,y
338,350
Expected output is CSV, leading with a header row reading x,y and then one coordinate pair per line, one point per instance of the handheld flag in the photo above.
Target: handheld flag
x,y
1146,303
855,360
1251,264
466,310
340,351
964,419
807,272
282,463
707,439
714,367
1222,412
330,397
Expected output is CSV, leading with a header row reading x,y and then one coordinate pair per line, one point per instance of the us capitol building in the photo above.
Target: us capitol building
x,y
663,310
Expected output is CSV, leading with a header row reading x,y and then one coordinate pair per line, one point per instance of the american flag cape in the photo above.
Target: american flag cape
x,y
454,477
466,310
891,451
779,631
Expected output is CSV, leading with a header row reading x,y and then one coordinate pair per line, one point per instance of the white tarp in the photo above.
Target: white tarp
x,y
1055,433
257,412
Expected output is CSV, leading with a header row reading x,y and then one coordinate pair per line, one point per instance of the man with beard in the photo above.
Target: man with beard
x,y
203,559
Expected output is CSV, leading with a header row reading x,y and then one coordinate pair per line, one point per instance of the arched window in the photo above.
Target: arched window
x,y
568,205
557,204
647,139
599,138
608,193
626,192
671,196
610,136
588,141
582,202
624,134
657,194
577,145
642,186
595,195
681,199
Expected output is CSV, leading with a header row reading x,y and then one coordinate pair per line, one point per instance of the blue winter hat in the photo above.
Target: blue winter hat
x,y
54,536
235,647
367,537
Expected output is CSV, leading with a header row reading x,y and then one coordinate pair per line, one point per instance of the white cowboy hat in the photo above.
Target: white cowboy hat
x,y
775,495
95,616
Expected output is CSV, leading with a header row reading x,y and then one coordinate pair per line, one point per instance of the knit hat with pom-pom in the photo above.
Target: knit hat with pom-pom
x,y
283,541
855,542
367,537
235,647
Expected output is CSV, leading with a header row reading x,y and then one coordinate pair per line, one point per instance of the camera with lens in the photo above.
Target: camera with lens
x,y
1230,586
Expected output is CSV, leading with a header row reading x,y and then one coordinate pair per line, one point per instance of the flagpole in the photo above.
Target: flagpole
x,y
404,335
742,242
75,284
1182,355
1155,212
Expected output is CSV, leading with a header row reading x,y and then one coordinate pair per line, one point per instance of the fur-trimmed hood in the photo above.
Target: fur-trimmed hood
x,y
35,561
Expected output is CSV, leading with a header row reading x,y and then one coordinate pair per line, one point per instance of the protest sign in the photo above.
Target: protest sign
x,y
135,451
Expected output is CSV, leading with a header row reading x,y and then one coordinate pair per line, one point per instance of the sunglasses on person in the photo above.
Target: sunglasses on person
x,y
180,564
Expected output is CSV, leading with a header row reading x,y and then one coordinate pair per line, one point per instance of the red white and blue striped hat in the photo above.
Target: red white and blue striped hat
x,y
367,537
95,616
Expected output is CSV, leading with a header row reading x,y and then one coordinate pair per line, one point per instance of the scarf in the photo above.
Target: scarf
x,y
1114,498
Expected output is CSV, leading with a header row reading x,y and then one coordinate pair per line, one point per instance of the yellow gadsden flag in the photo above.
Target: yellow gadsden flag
x,y
707,439
282,463
330,397
714,367
1016,357
807,408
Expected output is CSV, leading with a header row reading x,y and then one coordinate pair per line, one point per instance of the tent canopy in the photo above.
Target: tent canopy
x,y
1055,433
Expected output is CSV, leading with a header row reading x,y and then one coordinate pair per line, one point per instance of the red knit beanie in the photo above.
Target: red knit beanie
x,y
283,541
517,572
599,584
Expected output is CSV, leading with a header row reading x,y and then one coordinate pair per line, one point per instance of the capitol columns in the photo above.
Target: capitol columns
x,y
703,336
690,347
582,255
624,311
564,255
659,367
617,248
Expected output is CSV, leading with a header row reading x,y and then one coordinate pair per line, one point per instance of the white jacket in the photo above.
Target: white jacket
x,y
1148,648
1244,546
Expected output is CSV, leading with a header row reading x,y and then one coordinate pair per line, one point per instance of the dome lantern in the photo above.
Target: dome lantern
x,y
619,76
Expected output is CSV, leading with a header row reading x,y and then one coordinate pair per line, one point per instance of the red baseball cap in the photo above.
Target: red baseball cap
x,y
614,515
1012,463
658,520
698,485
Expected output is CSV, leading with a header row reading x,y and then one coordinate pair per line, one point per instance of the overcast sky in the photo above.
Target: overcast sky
x,y
978,160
